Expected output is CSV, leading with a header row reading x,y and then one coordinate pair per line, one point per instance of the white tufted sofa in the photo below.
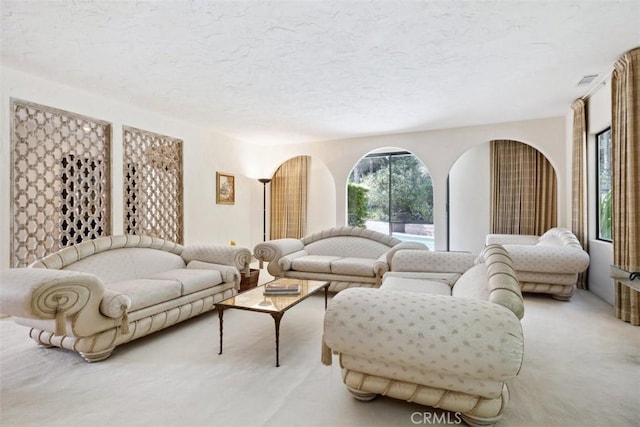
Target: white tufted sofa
x,y
101,293
442,332
345,256
547,264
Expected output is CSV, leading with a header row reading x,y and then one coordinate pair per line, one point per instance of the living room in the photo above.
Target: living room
x,y
258,148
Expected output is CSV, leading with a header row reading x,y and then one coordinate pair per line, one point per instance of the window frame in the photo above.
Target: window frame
x,y
597,198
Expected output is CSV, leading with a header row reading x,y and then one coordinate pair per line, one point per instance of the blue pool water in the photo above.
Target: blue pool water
x,y
426,240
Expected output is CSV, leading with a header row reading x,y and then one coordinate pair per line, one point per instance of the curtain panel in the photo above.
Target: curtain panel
x,y
579,181
625,147
523,189
288,218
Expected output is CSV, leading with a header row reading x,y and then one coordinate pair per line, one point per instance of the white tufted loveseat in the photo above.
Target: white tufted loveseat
x,y
547,264
345,256
101,293
441,332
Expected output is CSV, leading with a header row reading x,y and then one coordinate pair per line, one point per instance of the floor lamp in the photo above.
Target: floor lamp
x,y
264,182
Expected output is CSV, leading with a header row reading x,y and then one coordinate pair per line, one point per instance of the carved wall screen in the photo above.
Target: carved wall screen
x,y
152,184
59,180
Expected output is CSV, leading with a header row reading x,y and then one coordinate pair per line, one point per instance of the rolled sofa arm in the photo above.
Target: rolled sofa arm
x,y
212,253
548,259
388,255
383,263
273,250
45,294
480,339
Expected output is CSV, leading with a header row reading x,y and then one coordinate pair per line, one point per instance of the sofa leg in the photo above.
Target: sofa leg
x,y
561,297
480,422
98,356
361,395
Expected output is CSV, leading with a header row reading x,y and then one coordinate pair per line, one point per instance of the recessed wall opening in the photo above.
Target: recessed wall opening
x,y
390,191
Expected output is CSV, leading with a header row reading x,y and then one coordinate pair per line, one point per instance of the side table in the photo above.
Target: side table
x,y
250,281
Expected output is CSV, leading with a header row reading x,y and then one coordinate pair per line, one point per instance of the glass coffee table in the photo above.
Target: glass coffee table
x,y
275,305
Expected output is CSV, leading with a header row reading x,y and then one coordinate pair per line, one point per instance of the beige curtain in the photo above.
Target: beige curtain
x,y
579,181
523,189
289,199
625,155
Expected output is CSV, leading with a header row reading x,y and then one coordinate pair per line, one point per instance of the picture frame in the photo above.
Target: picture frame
x,y
225,188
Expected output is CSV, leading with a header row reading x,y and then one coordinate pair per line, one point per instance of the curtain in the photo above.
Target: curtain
x,y
289,199
579,181
523,189
625,168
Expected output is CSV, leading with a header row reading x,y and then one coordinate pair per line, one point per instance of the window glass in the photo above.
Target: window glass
x,y
392,193
603,184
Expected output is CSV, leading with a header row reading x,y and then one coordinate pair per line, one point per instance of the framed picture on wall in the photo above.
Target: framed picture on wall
x,y
225,189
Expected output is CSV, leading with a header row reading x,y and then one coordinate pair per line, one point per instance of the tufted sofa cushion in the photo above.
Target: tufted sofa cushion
x,y
417,260
147,292
191,280
354,266
346,246
133,263
314,263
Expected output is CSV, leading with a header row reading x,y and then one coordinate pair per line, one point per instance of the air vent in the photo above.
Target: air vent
x,y
587,80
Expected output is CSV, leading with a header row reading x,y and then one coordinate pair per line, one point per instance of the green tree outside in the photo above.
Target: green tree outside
x,y
411,189
357,204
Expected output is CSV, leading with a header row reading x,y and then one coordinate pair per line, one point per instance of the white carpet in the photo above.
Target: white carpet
x,y
582,368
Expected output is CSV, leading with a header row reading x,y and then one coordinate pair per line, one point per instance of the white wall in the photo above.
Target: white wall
x,y
438,150
600,252
320,213
204,153
470,199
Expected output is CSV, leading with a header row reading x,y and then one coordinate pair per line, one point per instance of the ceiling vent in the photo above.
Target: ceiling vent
x,y
587,80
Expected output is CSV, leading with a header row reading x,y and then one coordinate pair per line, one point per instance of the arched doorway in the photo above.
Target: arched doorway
x,y
390,191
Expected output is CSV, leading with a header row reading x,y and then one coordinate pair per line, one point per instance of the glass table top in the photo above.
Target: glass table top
x,y
255,300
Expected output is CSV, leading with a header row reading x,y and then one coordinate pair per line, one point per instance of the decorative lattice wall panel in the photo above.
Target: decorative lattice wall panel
x,y
152,184
59,180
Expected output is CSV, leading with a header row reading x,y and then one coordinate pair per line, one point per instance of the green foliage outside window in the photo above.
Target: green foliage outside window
x,y
605,217
357,203
603,191
411,192
398,189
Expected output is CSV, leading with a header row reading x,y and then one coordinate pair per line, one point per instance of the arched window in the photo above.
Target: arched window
x,y
391,192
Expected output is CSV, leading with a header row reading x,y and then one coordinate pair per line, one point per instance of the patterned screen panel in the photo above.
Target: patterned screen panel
x,y
59,180
152,185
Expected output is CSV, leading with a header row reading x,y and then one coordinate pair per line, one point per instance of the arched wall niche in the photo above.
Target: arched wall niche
x,y
321,195
469,197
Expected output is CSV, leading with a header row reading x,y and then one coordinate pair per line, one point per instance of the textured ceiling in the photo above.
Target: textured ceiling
x,y
300,71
